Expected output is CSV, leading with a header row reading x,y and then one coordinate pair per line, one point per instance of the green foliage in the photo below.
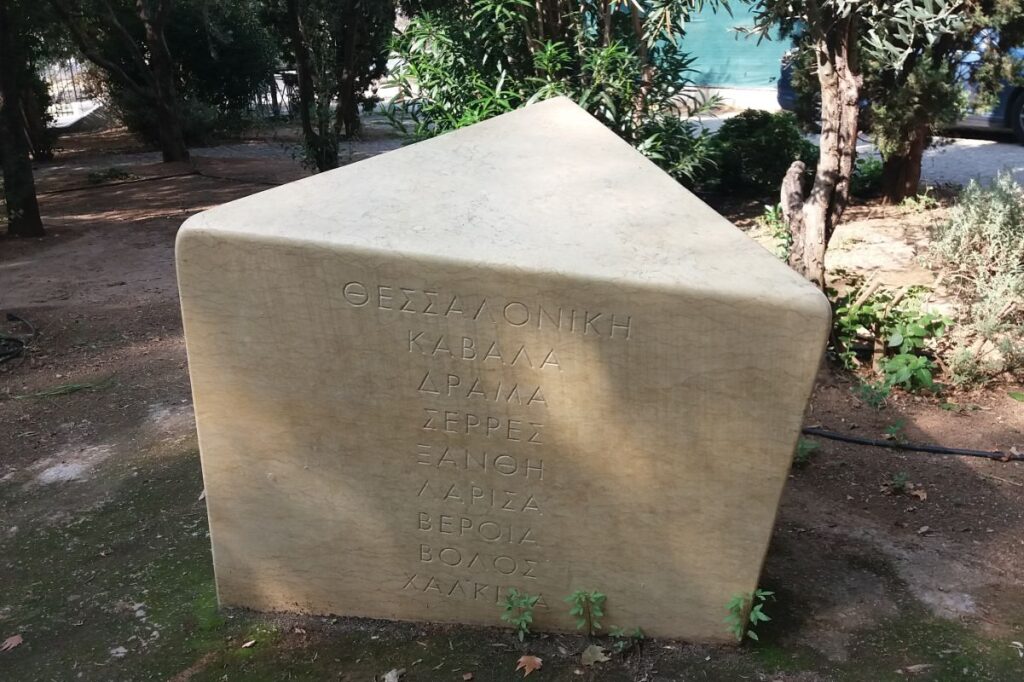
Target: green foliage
x,y
919,203
873,393
981,250
805,448
898,483
753,150
463,62
895,431
518,611
867,177
623,640
746,611
775,224
223,58
894,322
587,607
911,372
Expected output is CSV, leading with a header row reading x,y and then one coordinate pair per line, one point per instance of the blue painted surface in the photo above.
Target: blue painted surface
x,y
726,58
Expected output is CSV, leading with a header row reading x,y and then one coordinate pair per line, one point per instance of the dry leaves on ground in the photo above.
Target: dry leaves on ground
x,y
593,654
528,664
16,640
394,675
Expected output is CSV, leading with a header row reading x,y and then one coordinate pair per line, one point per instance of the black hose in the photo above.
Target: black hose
x,y
933,449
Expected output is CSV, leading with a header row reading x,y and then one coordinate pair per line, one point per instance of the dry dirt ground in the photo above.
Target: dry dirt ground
x,y
105,569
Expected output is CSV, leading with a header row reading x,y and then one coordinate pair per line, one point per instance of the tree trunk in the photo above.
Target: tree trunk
x,y
319,148
840,90
172,138
19,184
901,173
350,34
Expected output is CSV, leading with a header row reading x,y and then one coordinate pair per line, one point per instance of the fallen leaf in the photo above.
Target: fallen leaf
x,y
202,495
528,664
394,675
919,493
915,669
467,676
923,530
593,654
1017,395
16,640
249,644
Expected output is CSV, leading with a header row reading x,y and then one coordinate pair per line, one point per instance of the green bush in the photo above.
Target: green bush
x,y
462,62
753,151
981,250
867,177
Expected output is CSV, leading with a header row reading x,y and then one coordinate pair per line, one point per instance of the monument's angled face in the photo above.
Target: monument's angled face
x,y
518,355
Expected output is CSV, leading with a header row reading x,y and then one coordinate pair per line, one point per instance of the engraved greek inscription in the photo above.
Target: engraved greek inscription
x,y
455,386
407,303
427,385
356,294
454,306
453,557
465,459
414,342
625,327
516,313
511,312
384,299
431,296
480,311
473,496
469,348
488,531
460,588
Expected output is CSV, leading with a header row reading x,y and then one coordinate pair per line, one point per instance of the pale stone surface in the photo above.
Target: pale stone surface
x,y
515,355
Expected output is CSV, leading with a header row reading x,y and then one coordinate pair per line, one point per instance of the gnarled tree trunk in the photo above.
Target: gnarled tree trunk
x,y
823,207
172,138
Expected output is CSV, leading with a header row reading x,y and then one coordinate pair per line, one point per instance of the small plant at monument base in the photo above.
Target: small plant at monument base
x,y
775,224
745,612
587,607
897,483
518,611
805,448
894,432
872,393
623,640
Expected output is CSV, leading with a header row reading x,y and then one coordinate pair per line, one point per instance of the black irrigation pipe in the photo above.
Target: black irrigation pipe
x,y
933,449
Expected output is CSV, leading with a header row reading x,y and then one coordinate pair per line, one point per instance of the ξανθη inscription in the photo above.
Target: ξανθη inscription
x,y
468,459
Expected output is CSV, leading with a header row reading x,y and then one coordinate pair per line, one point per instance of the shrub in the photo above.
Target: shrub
x,y
981,249
462,62
867,177
754,150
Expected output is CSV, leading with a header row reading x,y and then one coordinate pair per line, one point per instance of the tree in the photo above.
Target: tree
x,y
908,105
150,71
19,184
833,29
339,50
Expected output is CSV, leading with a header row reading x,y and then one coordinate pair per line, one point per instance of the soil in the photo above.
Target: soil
x,y
885,565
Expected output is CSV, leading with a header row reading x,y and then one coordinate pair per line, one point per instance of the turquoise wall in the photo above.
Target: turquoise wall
x,y
726,58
